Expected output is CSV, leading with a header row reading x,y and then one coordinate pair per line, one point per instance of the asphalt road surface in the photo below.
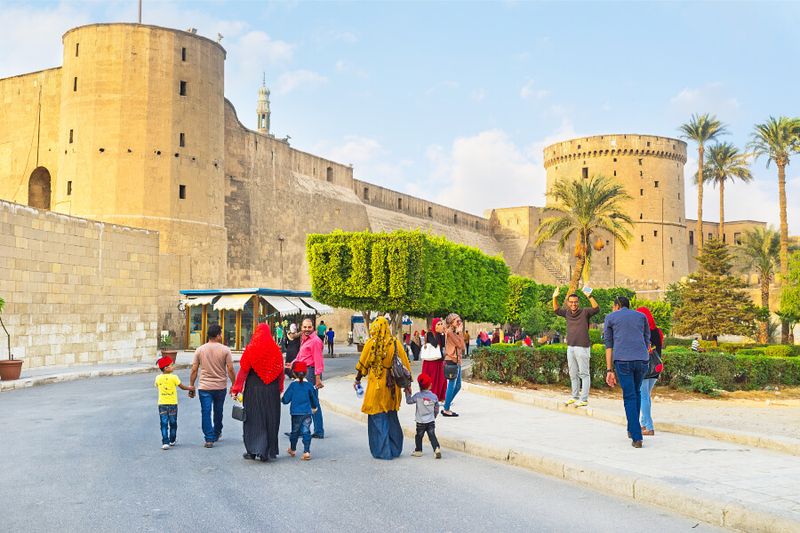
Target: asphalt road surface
x,y
86,455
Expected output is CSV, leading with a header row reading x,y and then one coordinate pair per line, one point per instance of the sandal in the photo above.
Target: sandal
x,y
451,413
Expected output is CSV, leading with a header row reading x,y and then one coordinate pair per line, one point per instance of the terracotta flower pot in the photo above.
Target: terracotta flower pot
x,y
359,346
172,354
10,369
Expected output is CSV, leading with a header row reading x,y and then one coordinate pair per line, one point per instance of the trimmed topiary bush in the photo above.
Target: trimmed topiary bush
x,y
780,350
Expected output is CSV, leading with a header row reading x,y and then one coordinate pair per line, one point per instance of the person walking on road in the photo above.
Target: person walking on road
x,y
578,344
427,405
649,381
321,329
311,354
167,384
382,397
627,336
261,378
466,343
215,362
453,353
435,369
329,336
416,345
300,395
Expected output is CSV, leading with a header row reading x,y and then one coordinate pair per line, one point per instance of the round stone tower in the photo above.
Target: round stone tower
x,y
651,170
142,131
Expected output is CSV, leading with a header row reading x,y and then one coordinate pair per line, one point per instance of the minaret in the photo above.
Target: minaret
x,y
263,107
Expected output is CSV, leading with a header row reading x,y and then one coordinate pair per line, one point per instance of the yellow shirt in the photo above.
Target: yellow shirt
x,y
167,385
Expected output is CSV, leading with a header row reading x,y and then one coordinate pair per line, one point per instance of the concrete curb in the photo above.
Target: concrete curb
x,y
24,383
780,444
722,512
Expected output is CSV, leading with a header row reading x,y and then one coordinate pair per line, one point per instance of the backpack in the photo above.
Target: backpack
x,y
398,374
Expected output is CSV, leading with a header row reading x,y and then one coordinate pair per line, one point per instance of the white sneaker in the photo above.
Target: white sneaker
x,y
165,446
171,444
570,401
581,404
416,454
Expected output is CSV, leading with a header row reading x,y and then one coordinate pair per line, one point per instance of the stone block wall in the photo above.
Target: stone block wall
x,y
76,291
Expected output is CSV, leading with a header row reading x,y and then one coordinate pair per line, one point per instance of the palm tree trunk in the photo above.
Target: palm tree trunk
x,y
784,255
721,210
580,262
763,327
699,228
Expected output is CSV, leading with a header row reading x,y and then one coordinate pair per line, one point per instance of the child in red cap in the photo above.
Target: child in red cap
x,y
167,384
300,395
427,410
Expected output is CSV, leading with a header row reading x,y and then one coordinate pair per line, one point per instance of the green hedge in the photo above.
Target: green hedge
x,y
548,364
675,341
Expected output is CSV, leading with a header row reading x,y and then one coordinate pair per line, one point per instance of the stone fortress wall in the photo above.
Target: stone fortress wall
x,y
134,129
76,290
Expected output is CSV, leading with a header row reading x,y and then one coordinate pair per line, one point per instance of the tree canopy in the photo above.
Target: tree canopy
x,y
406,272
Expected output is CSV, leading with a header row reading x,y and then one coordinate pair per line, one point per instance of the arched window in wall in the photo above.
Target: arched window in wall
x,y
39,189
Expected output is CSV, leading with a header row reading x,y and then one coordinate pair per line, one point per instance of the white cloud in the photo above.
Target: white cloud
x,y
530,91
710,97
370,159
345,67
298,79
343,36
478,95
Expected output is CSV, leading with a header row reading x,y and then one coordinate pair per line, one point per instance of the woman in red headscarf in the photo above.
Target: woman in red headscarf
x,y
435,369
261,377
649,381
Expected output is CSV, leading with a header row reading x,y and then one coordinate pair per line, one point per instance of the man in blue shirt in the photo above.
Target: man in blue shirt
x,y
627,337
329,335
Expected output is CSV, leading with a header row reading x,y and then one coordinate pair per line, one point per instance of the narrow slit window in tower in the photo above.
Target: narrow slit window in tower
x,y
585,172
183,88
182,140
430,212
691,238
70,136
182,192
329,174
399,203
69,188
77,48
455,218
75,84
656,184
366,193
655,233
183,54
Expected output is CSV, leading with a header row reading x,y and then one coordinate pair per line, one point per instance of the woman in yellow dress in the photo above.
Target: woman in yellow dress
x,y
381,399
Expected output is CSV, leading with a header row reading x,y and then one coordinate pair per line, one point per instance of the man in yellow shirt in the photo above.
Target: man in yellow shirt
x,y
167,384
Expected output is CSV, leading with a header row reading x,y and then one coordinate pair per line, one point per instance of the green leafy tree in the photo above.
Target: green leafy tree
x,y
581,208
790,293
701,129
406,272
724,163
673,295
759,249
713,301
777,139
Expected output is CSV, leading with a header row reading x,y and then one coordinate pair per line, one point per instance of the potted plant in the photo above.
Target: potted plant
x,y
360,343
10,368
165,344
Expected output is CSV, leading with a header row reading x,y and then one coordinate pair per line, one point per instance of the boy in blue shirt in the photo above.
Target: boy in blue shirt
x,y
303,403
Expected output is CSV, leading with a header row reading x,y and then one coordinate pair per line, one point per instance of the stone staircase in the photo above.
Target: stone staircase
x,y
551,265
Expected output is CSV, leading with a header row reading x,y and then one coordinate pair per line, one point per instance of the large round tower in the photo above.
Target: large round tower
x,y
651,170
142,127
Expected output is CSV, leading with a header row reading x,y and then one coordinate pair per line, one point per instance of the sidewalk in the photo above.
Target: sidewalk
x,y
724,484
774,428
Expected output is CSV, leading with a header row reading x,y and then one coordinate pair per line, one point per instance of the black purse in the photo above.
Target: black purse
x,y
238,412
450,370
654,365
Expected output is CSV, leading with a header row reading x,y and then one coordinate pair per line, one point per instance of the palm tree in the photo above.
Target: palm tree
x,y
760,247
723,163
777,138
581,208
701,129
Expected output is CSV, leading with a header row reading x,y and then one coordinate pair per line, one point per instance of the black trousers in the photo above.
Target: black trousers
x,y
430,429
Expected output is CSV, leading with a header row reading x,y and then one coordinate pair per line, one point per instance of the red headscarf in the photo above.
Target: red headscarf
x,y
262,356
651,321
433,324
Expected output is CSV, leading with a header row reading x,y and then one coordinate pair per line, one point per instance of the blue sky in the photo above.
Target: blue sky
x,y
455,101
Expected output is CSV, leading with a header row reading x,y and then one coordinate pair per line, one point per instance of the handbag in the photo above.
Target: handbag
x,y
399,374
238,412
450,370
430,353
654,365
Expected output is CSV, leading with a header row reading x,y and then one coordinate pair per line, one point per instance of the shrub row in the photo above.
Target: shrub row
x,y
548,365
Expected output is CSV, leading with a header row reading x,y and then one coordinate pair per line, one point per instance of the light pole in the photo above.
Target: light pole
x,y
281,238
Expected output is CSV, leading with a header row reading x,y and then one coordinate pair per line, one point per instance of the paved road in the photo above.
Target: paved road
x,y
86,454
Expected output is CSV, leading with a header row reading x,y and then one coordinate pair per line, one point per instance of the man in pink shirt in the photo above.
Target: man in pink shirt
x,y
311,354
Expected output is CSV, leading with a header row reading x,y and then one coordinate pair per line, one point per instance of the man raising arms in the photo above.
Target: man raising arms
x,y
578,344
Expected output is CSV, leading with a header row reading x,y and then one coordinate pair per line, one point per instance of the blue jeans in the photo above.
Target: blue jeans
x,y
453,386
646,390
319,429
209,399
169,423
630,375
301,425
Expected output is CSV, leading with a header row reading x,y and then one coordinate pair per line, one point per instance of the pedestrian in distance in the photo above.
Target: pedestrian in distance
x,y
453,354
292,342
427,409
578,344
649,381
496,336
466,343
416,345
302,404
696,345
311,354
382,396
167,384
435,369
627,337
260,378
215,364
321,329
329,336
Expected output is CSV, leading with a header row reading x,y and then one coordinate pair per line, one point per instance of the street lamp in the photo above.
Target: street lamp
x,y
281,238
